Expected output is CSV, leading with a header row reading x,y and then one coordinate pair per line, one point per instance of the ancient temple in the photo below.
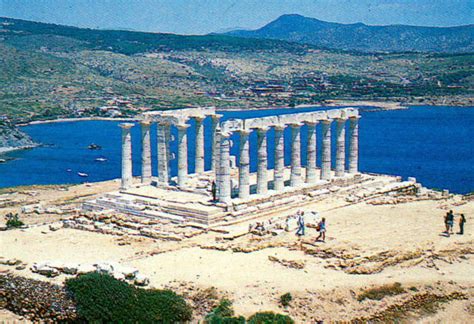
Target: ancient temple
x,y
241,194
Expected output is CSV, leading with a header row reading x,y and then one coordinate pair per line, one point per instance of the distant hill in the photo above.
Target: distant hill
x,y
131,42
361,37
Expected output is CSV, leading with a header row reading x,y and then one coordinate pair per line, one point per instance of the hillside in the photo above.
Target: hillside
x,y
50,71
361,37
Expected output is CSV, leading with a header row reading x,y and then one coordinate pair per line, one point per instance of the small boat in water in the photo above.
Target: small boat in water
x,y
81,174
94,147
100,159
68,170
3,160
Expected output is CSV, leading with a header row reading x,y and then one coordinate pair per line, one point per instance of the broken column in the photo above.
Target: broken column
x,y
244,165
340,146
126,156
354,144
199,156
146,152
295,177
278,178
326,150
182,154
311,153
262,182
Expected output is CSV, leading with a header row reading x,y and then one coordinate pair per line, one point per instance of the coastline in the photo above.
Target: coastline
x,y
7,149
66,120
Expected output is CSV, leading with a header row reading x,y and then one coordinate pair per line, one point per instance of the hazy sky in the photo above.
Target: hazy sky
x,y
204,16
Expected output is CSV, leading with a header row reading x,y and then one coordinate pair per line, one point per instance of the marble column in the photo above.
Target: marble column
x,y
278,171
146,152
354,145
311,153
295,176
215,147
199,160
127,177
326,151
163,155
244,165
340,146
223,174
262,182
182,154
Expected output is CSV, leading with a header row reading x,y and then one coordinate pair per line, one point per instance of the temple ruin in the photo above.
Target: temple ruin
x,y
241,194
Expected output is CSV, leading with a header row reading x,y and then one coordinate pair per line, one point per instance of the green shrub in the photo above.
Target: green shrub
x,y
13,221
269,318
223,314
285,299
379,293
102,298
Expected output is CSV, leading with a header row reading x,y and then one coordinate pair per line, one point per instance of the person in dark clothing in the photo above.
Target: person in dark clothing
x,y
214,191
450,222
462,220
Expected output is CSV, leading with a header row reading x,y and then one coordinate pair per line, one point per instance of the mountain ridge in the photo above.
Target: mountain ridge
x,y
365,38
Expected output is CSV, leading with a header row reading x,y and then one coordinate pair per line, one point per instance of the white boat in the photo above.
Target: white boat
x,y
68,170
84,175
100,159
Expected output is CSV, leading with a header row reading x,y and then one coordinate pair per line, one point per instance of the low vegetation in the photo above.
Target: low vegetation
x,y
379,293
13,221
102,299
285,299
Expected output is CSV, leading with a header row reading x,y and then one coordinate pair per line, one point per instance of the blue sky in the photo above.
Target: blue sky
x,y
205,16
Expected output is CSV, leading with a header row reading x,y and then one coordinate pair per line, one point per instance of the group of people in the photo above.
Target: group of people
x,y
449,223
321,228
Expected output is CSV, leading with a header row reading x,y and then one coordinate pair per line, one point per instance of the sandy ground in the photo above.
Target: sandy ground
x,y
370,236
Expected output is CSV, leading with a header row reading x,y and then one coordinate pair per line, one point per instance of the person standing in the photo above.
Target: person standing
x,y
322,230
462,220
450,222
301,224
214,191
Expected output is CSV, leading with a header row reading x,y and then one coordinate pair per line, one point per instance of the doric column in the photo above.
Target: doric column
x,y
199,160
311,154
146,152
223,174
163,155
182,153
215,148
126,156
326,150
354,144
295,177
262,182
244,165
340,147
278,172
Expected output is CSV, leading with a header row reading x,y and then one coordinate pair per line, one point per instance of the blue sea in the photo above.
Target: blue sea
x,y
433,144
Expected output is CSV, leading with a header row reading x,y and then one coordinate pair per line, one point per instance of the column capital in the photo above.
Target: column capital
x,y
326,121
340,120
311,123
216,116
199,118
261,129
280,127
295,125
126,125
182,126
244,131
355,117
145,122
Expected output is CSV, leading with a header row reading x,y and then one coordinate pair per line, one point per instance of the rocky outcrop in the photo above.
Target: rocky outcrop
x,y
36,300
12,137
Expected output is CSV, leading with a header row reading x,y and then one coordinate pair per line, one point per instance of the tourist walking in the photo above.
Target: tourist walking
x,y
462,220
322,230
301,225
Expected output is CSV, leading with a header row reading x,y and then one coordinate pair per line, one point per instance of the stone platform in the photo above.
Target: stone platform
x,y
194,206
